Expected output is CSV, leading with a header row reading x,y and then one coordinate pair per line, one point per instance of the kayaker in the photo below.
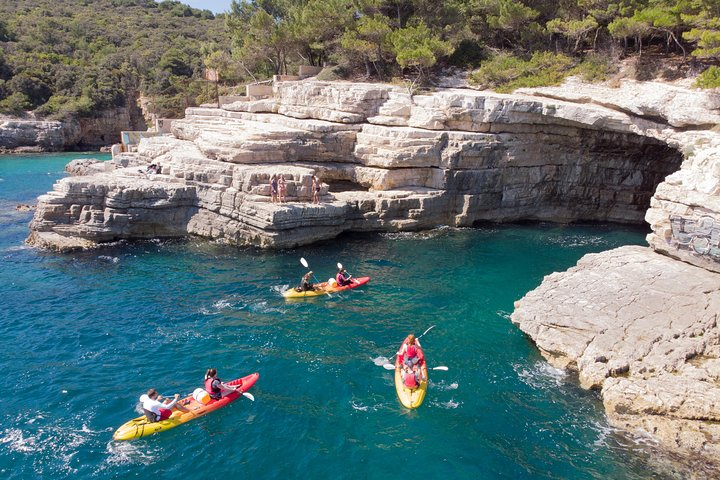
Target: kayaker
x,y
154,409
343,277
305,284
411,377
215,387
410,351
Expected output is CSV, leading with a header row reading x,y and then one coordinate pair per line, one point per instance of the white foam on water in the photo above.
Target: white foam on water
x,y
442,385
263,307
16,441
51,444
449,405
541,375
18,248
126,453
108,258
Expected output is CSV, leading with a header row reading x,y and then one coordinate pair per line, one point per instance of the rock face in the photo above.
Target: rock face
x,y
387,161
30,134
639,326
643,329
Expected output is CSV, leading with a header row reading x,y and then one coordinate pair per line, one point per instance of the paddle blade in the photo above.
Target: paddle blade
x,y
304,262
339,265
380,361
249,396
442,367
389,366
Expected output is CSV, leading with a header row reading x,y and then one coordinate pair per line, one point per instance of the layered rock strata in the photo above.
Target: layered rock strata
x,y
387,161
638,326
30,134
641,328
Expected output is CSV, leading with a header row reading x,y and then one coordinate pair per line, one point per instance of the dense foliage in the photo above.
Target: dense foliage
x,y
407,37
77,57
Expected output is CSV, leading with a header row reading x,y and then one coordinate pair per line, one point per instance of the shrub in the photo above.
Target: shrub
x,y
336,72
710,78
60,107
506,72
15,104
594,68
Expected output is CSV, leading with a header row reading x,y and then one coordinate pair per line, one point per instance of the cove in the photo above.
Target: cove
x,y
84,334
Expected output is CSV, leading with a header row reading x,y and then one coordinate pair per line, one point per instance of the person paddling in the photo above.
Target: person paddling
x,y
411,377
410,353
342,277
305,284
215,387
155,409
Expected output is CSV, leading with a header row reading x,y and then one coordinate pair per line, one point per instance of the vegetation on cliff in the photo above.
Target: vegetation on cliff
x,y
77,57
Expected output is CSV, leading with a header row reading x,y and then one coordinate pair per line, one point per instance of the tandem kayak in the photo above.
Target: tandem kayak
x,y
140,427
325,287
410,398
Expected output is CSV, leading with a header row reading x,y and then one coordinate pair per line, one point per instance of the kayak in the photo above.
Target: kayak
x,y
325,287
140,427
410,398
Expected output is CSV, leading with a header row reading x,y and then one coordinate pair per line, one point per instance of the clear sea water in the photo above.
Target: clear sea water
x,y
83,335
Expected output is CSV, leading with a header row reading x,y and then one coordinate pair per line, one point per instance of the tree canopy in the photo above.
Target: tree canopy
x,y
77,57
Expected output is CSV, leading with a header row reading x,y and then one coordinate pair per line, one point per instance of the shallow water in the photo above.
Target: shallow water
x,y
84,334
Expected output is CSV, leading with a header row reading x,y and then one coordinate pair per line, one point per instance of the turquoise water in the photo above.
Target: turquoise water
x,y
84,335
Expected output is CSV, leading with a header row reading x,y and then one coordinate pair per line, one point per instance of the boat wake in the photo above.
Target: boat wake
x,y
442,385
449,405
125,453
49,444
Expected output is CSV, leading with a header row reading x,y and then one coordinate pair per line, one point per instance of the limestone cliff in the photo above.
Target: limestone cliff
x,y
103,129
388,162
638,326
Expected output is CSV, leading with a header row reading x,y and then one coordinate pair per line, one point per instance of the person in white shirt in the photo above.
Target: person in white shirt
x,y
155,409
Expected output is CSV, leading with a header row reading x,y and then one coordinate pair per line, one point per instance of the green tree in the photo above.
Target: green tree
x,y
416,47
369,41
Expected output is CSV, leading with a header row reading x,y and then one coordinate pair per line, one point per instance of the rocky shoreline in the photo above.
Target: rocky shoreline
x,y
638,324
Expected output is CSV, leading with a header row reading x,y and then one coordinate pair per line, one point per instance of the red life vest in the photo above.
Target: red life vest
x,y
410,380
411,351
215,393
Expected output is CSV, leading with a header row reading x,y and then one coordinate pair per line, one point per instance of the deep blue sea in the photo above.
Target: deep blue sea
x,y
83,335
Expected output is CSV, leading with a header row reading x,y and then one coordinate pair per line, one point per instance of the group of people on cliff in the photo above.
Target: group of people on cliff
x,y
278,189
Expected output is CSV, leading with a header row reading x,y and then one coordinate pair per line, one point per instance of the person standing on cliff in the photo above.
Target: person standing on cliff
x,y
315,189
282,188
274,189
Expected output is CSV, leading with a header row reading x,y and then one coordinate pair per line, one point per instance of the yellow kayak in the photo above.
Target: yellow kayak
x,y
324,288
140,427
410,398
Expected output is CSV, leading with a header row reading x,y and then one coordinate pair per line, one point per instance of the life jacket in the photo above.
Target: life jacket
x,y
340,279
410,380
215,393
411,351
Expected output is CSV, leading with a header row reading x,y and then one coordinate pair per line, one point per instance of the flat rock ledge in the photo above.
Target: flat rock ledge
x,y
642,329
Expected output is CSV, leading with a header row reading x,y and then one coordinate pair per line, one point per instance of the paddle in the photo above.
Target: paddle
x,y
390,366
306,265
247,395
381,360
